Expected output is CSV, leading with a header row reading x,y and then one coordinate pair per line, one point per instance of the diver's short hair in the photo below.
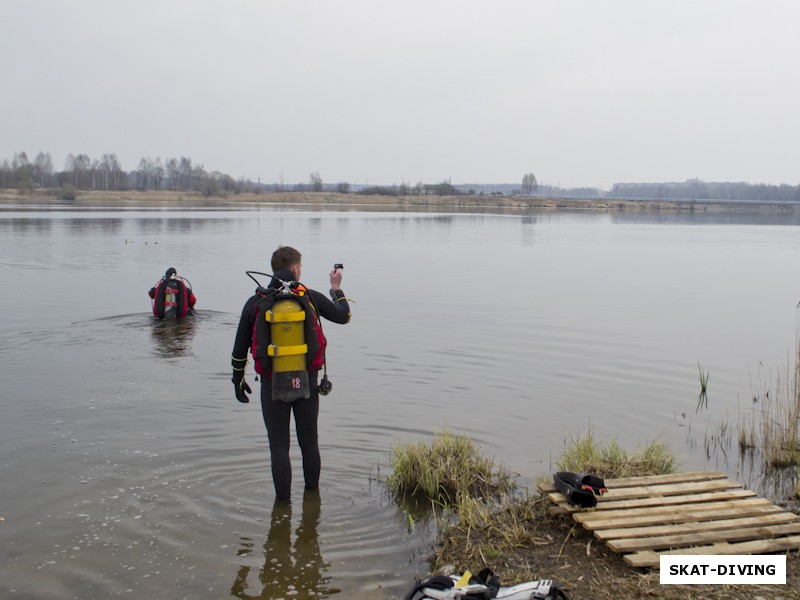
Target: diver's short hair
x,y
285,257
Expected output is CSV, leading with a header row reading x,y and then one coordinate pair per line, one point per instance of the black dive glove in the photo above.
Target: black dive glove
x,y
240,385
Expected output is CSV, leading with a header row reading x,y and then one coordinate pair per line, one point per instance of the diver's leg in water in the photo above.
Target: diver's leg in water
x,y
276,418
306,413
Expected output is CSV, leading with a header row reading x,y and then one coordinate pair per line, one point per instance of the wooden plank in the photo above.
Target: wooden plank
x,y
674,489
649,558
547,486
558,497
661,479
704,537
668,511
645,559
673,500
678,528
609,502
684,518
702,512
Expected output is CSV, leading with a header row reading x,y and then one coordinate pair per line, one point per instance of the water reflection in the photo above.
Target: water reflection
x,y
191,224
779,484
747,464
26,225
690,217
290,569
173,337
105,225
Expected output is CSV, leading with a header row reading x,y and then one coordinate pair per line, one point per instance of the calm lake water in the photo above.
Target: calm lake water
x,y
129,469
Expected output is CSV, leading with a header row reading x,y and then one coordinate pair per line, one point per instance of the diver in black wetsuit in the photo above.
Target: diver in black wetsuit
x,y
286,266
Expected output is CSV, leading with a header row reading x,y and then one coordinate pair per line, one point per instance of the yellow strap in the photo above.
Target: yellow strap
x,y
277,351
272,317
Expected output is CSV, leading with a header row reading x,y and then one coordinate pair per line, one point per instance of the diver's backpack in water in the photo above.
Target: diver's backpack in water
x,y
288,342
171,299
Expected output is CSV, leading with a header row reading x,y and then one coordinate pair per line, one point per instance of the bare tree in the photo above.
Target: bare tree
x,y
180,172
71,166
144,173
157,173
185,171
22,171
20,160
95,171
227,183
173,172
529,184
111,174
43,169
316,182
6,178
207,184
79,167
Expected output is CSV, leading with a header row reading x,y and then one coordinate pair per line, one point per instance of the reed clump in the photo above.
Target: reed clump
x,y
481,514
445,470
585,454
702,398
771,426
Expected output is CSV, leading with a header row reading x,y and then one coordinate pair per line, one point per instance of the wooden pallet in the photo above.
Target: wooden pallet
x,y
683,513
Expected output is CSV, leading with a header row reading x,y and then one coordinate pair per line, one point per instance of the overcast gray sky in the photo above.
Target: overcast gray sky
x,y
582,93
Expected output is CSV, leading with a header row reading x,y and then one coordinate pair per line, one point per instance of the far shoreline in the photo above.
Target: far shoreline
x,y
335,200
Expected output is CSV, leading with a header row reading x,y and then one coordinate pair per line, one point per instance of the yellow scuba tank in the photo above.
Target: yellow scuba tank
x,y
288,349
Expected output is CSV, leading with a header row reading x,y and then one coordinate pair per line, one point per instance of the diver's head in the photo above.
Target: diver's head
x,y
286,257
171,273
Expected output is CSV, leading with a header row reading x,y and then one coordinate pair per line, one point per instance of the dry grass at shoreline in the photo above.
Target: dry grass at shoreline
x,y
583,454
447,470
520,540
331,199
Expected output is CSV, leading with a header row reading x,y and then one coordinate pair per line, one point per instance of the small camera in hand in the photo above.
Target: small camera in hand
x,y
338,266
325,386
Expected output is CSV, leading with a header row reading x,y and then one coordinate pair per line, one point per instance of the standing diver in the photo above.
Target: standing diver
x,y
288,392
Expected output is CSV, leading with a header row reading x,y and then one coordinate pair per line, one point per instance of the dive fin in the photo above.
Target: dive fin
x,y
577,493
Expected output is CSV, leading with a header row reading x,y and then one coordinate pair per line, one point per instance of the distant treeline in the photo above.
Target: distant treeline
x,y
696,189
81,172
